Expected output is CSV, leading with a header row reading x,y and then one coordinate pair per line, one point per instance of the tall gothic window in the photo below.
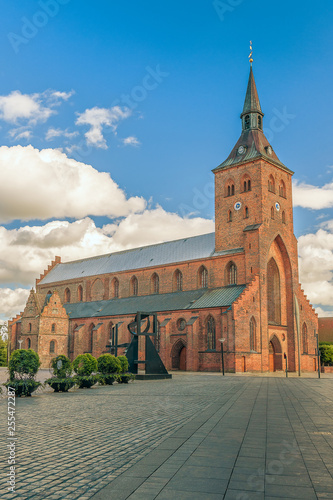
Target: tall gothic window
x,y
253,333
28,343
246,213
115,288
90,337
231,274
229,216
134,286
282,189
273,293
272,213
52,347
178,281
53,328
80,293
203,277
271,184
67,295
283,217
247,122
259,122
155,283
305,338
210,328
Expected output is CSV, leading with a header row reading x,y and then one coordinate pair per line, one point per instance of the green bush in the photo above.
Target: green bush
x,y
124,378
85,364
23,363
326,353
61,384
107,363
61,366
124,363
107,378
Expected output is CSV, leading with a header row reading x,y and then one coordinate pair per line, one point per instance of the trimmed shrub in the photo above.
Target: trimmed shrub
x,y
61,381
85,364
124,378
23,363
107,363
124,363
23,366
61,366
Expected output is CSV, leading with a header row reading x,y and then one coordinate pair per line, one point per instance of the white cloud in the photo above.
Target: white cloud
x,y
52,133
97,119
47,184
27,110
131,141
27,251
313,197
12,301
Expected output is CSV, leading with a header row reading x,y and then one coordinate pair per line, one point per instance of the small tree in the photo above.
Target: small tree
x,y
108,366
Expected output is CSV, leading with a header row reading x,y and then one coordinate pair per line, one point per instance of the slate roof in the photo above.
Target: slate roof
x,y
186,249
193,299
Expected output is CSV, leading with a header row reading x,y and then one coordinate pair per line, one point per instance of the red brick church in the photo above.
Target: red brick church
x,y
239,284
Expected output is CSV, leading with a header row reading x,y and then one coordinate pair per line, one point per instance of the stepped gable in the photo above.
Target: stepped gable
x,y
55,262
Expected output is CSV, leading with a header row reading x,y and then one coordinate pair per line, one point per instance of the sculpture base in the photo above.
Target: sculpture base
x,y
152,376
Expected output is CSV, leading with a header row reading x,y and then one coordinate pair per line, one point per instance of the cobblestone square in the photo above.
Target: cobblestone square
x,y
195,436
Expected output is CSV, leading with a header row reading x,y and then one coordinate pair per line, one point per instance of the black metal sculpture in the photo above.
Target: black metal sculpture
x,y
154,367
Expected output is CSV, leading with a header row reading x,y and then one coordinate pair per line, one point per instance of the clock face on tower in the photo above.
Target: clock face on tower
x,y
241,150
237,205
277,206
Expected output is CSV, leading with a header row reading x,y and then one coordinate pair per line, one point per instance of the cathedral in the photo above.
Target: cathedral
x,y
236,289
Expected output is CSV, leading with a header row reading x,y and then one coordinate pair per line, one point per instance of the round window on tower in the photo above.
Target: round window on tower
x,y
181,324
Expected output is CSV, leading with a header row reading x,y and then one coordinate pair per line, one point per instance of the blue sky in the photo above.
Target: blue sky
x,y
177,71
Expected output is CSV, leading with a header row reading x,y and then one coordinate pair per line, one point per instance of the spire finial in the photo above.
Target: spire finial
x,y
251,52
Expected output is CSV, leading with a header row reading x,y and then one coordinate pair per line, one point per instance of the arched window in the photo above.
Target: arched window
x,y
29,327
259,122
271,184
282,189
134,286
157,338
155,283
28,343
246,213
283,217
231,274
53,328
52,347
80,293
203,277
272,213
253,335
110,333
210,329
230,188
247,122
178,281
246,184
305,338
67,295
90,338
115,288
229,216
273,293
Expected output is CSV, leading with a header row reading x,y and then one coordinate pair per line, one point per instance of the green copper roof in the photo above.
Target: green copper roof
x,y
193,299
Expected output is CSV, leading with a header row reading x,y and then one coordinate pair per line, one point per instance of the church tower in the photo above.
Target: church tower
x,y
253,214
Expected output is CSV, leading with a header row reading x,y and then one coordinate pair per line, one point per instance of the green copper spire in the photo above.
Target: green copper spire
x,y
252,114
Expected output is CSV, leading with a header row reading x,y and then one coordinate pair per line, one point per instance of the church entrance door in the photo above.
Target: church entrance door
x,y
182,359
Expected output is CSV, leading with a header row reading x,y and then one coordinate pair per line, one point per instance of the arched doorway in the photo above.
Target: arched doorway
x,y
178,355
182,359
275,354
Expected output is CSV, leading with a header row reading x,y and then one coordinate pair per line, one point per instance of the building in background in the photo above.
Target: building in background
x,y
239,284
